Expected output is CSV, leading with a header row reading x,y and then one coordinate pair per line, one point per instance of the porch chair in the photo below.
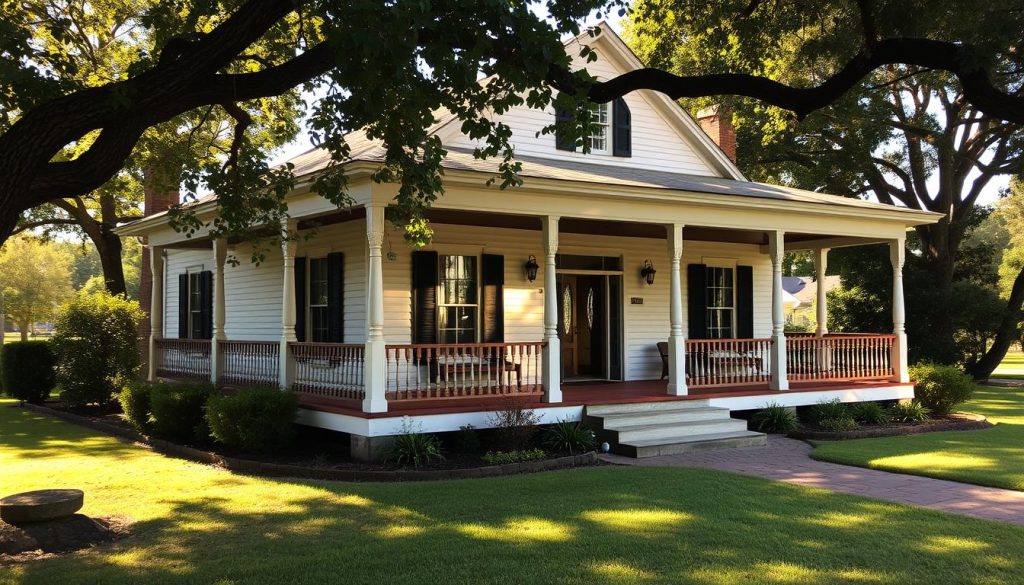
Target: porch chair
x,y
663,350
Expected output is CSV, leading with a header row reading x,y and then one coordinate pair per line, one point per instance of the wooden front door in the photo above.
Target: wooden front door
x,y
582,325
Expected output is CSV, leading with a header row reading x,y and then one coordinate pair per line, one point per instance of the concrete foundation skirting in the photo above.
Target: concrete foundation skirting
x,y
249,466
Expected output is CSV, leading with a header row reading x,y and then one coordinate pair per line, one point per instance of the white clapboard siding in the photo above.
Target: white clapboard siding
x,y
656,145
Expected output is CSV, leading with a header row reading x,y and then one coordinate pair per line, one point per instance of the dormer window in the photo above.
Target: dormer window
x,y
612,130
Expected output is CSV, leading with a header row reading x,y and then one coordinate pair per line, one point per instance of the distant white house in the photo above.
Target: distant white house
x,y
557,292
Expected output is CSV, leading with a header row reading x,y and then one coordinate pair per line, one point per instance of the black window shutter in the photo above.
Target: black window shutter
x,y
493,304
744,302
183,306
424,297
622,135
562,142
206,304
336,297
696,290
300,298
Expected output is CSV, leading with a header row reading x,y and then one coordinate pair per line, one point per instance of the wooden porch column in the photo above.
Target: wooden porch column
x,y
375,365
156,308
285,366
676,341
552,368
776,248
220,254
820,265
897,255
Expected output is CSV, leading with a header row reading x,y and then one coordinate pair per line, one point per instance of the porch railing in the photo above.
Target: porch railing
x,y
183,358
331,370
249,362
431,372
724,362
840,357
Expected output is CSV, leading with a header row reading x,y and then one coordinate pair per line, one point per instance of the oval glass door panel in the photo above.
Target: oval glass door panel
x,y
567,309
590,308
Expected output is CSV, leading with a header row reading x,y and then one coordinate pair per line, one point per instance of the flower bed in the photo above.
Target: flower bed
x,y
954,422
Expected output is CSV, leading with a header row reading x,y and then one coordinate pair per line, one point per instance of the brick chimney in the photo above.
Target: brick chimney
x,y
156,200
716,121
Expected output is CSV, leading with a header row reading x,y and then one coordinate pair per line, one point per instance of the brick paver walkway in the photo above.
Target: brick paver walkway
x,y
789,460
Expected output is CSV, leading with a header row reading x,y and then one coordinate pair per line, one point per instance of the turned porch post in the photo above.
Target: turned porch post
x,y
220,254
897,255
375,359
285,366
552,349
778,352
156,309
676,341
820,265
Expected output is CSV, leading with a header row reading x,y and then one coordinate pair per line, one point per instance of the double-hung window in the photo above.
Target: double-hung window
x,y
318,303
720,302
600,120
458,300
195,306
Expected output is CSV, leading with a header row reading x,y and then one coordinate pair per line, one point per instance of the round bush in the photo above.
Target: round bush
x,y
135,404
96,342
27,370
940,388
256,419
178,411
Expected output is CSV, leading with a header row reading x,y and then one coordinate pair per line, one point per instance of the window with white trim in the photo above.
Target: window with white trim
x,y
600,121
195,304
721,302
458,304
317,305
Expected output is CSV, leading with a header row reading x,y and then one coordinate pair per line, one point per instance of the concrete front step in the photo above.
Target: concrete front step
x,y
668,415
644,432
612,409
690,443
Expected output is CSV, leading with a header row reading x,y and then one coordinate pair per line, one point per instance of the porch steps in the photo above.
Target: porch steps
x,y
648,429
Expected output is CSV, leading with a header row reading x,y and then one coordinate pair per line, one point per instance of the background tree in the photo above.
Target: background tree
x,y
36,278
904,134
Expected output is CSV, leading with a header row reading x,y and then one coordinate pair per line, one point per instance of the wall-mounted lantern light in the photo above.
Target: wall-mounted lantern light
x,y
531,267
647,272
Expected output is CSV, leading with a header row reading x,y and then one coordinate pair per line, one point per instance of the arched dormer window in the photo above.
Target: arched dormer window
x,y
613,134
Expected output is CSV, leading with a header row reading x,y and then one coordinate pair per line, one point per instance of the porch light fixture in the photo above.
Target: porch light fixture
x,y
647,272
531,267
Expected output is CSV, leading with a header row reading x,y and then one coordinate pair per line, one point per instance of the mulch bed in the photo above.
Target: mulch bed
x,y
325,465
960,421
41,540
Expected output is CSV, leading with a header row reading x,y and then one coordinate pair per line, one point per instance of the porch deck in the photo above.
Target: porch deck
x,y
590,394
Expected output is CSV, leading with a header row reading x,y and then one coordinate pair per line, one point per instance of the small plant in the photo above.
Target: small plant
x,y
869,413
257,419
909,412
939,388
774,418
414,447
838,425
826,410
178,411
27,370
467,440
96,343
506,457
135,404
570,436
514,424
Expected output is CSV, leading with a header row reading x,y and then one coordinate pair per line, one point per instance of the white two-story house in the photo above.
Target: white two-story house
x,y
638,285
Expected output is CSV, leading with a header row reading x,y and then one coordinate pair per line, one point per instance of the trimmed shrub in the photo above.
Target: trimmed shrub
x,y
774,418
414,447
838,425
869,413
27,370
257,419
909,412
178,411
504,457
569,436
827,410
96,342
135,404
940,388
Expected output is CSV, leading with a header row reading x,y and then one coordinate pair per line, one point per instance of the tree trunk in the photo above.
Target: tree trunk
x,y
1006,335
108,245
24,326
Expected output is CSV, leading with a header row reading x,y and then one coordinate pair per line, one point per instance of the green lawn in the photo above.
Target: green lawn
x,y
198,524
992,457
1012,365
